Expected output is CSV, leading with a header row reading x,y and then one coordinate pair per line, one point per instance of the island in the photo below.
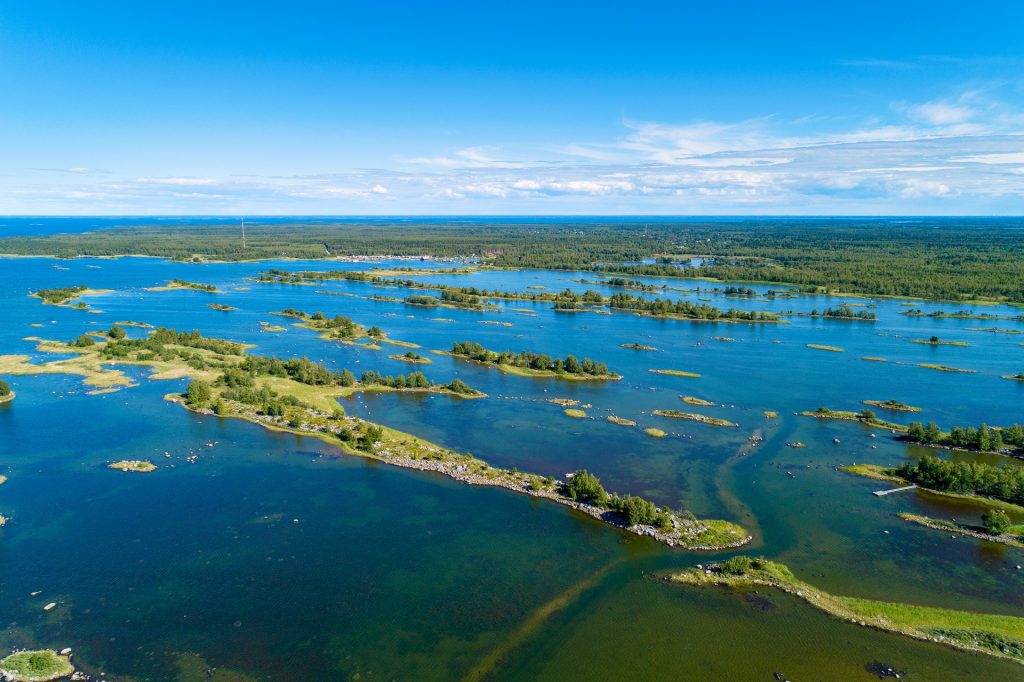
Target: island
x,y
35,666
692,416
675,373
945,368
224,308
1019,376
176,284
64,296
995,635
532,364
892,405
139,466
654,433
638,346
936,341
6,394
411,358
620,420
342,328
818,346
692,400
299,396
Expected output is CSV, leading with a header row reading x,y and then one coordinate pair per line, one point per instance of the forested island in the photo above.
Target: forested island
x,y
6,394
984,438
65,295
953,259
526,363
340,328
300,396
175,284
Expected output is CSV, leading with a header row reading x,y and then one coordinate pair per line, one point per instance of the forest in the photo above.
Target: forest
x,y
934,258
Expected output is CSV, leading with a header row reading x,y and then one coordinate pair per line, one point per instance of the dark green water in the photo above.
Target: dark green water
x,y
273,556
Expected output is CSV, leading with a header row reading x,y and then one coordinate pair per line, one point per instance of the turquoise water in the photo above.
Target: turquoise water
x,y
274,556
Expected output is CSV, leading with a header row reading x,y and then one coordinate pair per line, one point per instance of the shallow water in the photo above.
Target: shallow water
x,y
274,556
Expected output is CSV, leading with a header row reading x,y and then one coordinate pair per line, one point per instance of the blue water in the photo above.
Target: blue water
x,y
275,556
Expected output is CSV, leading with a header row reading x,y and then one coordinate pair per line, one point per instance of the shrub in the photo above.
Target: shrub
x,y
198,393
737,565
639,510
584,486
5,390
996,521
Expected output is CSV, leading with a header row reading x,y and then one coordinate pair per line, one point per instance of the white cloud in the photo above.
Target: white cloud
x,y
997,158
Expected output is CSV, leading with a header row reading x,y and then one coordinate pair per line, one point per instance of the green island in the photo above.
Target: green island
x,y
865,416
139,466
564,402
341,328
224,308
930,259
818,346
133,323
692,400
771,414
175,284
411,358
995,635
6,394
64,296
638,346
1019,376
655,433
959,315
843,312
871,358
936,341
893,405
533,364
946,368
993,330
299,396
675,373
272,328
575,413
995,527
35,666
996,487
692,416
620,420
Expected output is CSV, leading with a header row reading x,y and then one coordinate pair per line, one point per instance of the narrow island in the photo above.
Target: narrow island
x,y
269,328
692,400
41,665
936,341
138,466
693,416
865,416
176,284
995,527
995,635
675,373
533,364
1019,376
832,349
299,396
620,420
638,346
945,368
224,308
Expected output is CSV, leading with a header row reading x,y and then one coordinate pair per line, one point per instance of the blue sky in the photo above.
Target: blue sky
x,y
527,108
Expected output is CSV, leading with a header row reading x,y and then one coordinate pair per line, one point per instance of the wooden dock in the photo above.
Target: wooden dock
x,y
881,493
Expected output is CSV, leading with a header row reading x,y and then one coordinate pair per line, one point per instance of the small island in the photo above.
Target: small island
x,y
139,466
995,635
575,413
342,328
411,358
655,433
221,307
832,349
533,364
893,405
6,394
675,373
638,346
944,368
620,420
692,400
64,296
1019,376
936,341
864,417
177,284
692,416
35,666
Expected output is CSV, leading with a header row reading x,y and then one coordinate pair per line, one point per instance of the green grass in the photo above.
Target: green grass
x,y
833,349
655,433
575,413
675,373
36,666
996,635
874,471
